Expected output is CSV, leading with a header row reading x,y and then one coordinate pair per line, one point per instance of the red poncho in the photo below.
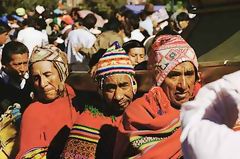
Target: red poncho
x,y
150,129
41,122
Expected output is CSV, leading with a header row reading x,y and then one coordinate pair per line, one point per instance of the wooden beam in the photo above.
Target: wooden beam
x,y
210,71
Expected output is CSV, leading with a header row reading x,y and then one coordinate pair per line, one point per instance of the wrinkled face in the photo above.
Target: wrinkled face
x,y
18,65
179,84
46,81
183,24
3,38
118,92
136,55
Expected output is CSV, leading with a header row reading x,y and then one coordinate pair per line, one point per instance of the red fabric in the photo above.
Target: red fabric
x,y
41,122
196,88
96,121
146,116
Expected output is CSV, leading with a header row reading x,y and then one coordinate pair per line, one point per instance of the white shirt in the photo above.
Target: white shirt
x,y
147,25
31,38
17,84
208,121
79,38
137,35
1,47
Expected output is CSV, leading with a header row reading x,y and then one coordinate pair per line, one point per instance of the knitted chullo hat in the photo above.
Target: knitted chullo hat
x,y
167,52
114,61
53,54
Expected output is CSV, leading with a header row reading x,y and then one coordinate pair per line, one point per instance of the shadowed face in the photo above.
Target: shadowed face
x,y
183,24
18,65
120,17
118,92
3,38
136,55
179,84
46,81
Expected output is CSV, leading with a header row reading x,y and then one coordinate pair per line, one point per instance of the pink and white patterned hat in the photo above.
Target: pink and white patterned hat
x,y
167,52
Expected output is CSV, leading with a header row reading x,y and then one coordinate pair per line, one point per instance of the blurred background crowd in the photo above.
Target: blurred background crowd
x,y
102,22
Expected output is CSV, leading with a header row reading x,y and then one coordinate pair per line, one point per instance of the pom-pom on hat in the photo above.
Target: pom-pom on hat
x,y
167,52
114,61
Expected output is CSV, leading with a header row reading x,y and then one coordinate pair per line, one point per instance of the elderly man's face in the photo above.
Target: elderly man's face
x,y
179,84
118,92
46,81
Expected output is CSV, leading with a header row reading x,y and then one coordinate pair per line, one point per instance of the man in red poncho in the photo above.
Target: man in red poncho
x,y
46,122
150,126
94,132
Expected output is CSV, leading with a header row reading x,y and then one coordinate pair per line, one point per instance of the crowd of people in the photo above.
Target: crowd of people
x,y
43,117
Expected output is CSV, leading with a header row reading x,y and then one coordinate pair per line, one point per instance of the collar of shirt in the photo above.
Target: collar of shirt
x,y
8,80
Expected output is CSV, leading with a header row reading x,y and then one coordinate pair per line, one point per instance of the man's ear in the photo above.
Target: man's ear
x,y
61,89
199,78
134,85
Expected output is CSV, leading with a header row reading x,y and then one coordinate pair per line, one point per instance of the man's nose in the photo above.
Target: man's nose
x,y
118,94
23,67
182,82
139,58
43,81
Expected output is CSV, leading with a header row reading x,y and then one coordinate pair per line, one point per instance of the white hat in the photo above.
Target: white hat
x,y
95,31
40,9
59,40
20,11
